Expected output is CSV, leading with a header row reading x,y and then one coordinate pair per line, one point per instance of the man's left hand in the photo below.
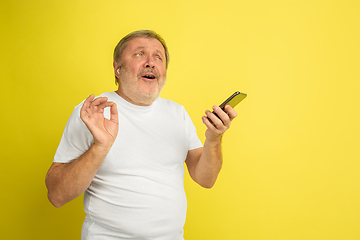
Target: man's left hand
x,y
217,126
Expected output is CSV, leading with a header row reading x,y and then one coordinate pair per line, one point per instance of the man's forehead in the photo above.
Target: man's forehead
x,y
145,43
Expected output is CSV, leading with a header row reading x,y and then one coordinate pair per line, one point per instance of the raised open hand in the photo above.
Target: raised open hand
x,y
104,131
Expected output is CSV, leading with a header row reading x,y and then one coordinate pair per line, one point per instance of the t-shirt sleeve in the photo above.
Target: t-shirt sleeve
x,y
194,141
75,140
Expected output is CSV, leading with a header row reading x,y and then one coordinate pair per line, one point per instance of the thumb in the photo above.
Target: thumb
x,y
114,113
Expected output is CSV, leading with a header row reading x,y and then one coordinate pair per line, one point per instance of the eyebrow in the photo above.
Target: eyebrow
x,y
142,47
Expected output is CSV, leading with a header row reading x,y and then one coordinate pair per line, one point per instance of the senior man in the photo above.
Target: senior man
x,y
125,150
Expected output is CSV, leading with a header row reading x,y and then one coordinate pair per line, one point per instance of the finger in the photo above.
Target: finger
x,y
113,113
231,112
88,101
103,105
98,101
215,120
85,106
222,115
208,123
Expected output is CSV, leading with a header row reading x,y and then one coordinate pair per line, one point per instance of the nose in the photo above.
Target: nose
x,y
149,62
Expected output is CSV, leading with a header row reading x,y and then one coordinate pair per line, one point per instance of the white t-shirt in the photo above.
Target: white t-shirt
x,y
138,192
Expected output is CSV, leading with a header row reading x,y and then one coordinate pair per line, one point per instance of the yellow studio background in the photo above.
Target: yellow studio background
x,y
291,158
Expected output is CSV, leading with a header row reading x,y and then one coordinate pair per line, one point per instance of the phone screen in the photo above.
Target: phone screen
x,y
233,100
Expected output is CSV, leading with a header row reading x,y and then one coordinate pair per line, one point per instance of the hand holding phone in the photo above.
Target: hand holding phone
x,y
218,128
233,100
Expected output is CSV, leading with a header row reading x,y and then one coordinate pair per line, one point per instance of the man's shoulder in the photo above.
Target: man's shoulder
x,y
108,95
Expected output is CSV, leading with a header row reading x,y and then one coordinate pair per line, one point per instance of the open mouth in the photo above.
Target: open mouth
x,y
148,76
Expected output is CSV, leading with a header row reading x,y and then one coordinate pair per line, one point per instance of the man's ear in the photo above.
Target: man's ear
x,y
116,68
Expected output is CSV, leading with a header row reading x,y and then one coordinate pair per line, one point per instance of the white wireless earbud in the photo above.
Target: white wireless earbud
x,y
118,71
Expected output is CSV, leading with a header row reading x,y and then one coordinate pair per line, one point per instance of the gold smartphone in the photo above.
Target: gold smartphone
x,y
233,100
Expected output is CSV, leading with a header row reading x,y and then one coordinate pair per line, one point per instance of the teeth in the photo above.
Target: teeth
x,y
149,76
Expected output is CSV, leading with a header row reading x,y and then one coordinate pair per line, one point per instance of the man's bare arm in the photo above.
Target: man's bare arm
x,y
204,164
66,181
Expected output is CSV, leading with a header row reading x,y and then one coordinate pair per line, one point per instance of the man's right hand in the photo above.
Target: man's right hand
x,y
66,181
104,131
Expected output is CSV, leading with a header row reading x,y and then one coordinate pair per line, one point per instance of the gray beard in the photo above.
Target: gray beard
x,y
144,100
131,95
